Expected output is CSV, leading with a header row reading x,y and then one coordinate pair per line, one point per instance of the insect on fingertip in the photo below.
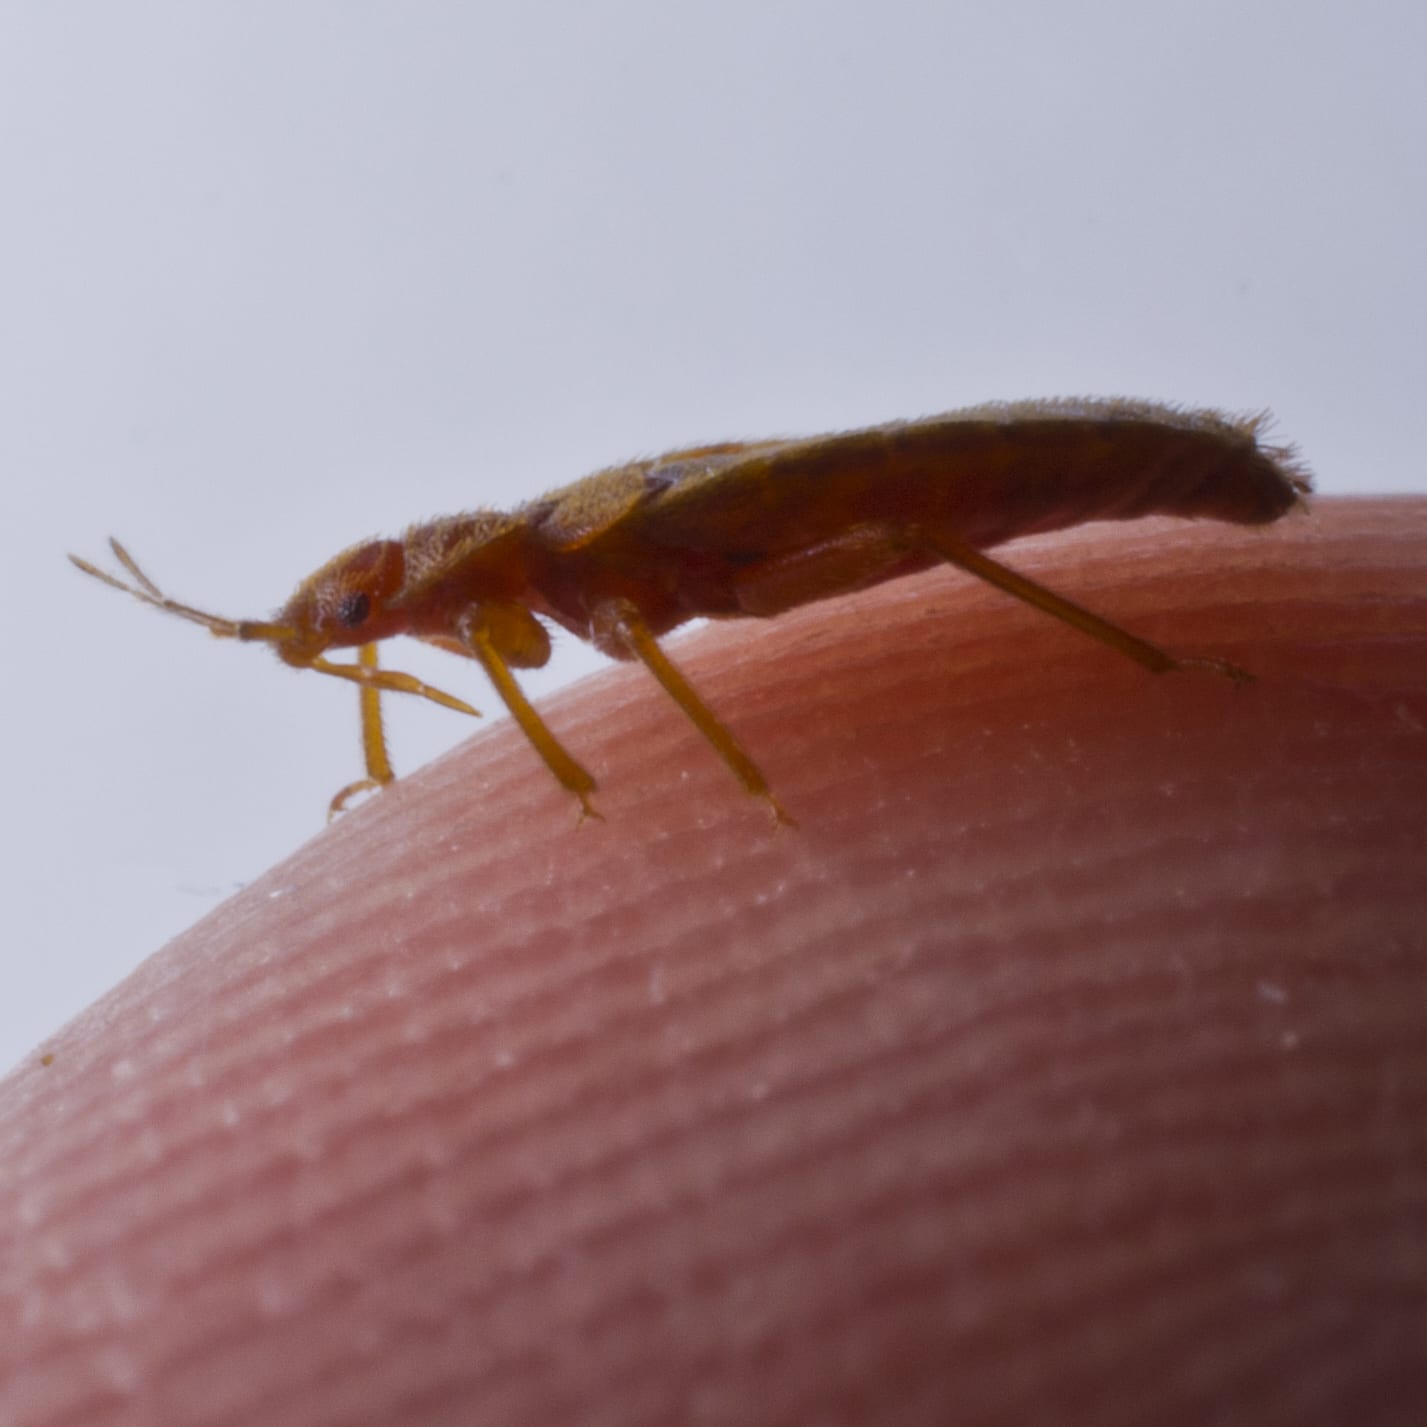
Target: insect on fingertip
x,y
757,528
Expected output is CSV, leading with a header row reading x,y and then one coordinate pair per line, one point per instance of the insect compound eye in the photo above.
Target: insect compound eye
x,y
354,609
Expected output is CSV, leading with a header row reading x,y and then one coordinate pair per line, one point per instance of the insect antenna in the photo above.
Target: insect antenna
x,y
365,674
144,590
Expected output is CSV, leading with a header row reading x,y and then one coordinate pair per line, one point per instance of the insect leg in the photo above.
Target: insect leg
x,y
568,773
1141,651
622,623
379,769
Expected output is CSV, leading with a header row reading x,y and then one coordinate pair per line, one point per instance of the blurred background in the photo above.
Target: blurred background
x,y
276,277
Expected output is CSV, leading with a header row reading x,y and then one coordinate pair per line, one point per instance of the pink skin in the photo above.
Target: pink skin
x,y
1067,1063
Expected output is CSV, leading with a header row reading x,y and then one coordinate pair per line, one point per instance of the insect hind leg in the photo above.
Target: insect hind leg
x,y
1021,587
865,555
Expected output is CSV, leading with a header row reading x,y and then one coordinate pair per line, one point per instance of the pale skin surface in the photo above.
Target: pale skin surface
x,y
1066,1064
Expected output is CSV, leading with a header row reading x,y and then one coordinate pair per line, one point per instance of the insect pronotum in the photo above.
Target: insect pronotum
x,y
753,528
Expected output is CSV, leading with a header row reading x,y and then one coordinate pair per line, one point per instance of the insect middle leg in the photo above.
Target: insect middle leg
x,y
571,775
620,624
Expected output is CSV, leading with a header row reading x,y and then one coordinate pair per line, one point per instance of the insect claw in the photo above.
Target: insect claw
x,y
339,802
781,816
1239,677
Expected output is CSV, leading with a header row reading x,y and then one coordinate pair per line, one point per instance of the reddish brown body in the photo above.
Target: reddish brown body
x,y
752,529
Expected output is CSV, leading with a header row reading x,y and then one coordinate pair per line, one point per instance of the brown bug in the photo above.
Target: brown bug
x,y
753,529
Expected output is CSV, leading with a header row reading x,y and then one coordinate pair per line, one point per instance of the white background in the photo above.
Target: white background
x,y
278,276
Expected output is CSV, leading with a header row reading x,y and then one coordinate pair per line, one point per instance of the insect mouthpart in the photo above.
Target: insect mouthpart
x,y
299,648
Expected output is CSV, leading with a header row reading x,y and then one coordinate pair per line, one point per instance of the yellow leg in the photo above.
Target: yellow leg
x,y
629,628
379,770
569,774
1140,650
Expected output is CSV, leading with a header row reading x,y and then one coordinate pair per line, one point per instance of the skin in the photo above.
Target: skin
x,y
1066,1063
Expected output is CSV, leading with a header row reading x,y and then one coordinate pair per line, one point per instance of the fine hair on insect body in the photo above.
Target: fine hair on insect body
x,y
752,529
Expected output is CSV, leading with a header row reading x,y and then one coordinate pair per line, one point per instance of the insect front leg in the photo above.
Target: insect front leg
x,y
619,628
478,635
379,770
